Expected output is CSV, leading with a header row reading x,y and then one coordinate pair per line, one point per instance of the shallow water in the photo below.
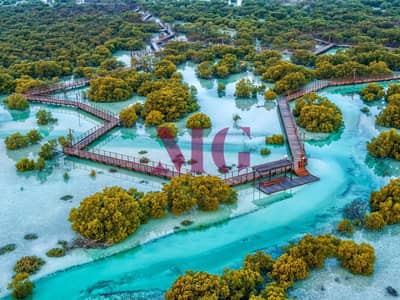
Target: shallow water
x,y
262,119
340,161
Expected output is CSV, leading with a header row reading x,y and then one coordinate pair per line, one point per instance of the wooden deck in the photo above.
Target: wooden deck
x,y
237,177
282,184
324,49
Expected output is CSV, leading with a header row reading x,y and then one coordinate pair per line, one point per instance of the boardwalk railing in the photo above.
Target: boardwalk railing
x,y
59,87
76,147
127,162
294,142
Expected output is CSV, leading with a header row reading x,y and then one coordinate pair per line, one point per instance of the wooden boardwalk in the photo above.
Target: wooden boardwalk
x,y
295,144
285,183
324,49
237,177
58,87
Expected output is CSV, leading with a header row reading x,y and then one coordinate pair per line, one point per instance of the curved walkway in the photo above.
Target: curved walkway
x,y
77,146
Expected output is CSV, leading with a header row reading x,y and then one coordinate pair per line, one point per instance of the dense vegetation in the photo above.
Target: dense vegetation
x,y
205,192
385,145
109,89
129,115
44,117
167,130
18,141
21,286
372,92
383,210
109,216
317,114
113,214
198,120
390,116
261,277
172,98
46,153
56,40
29,264
246,88
285,26
275,139
386,202
16,101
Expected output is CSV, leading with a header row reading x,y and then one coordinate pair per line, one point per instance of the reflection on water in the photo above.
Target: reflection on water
x,y
341,162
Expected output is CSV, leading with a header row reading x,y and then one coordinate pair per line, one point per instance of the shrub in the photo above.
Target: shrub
x,y
25,164
355,211
275,139
245,88
386,202
197,285
358,259
205,70
393,89
48,149
154,118
186,222
26,83
16,141
385,145
304,57
21,285
7,248
207,192
315,250
153,205
345,228
274,292
16,101
265,151
259,262
56,252
167,130
30,236
45,117
317,114
164,68
270,95
34,136
374,221
198,120
128,116
389,117
40,164
144,160
29,264
221,87
241,283
109,216
287,269
109,89
172,98
64,141
365,110
372,92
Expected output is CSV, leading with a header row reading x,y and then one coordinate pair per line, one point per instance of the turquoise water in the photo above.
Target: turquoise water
x,y
339,160
262,119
